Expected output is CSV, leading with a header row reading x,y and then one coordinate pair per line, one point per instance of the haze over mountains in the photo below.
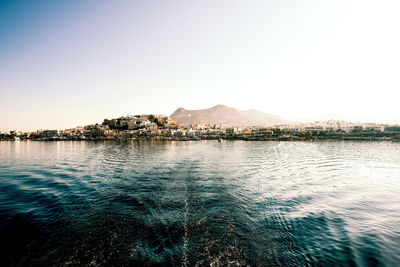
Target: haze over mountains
x,y
224,115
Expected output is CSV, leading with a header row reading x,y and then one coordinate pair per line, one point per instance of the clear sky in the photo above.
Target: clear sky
x,y
69,63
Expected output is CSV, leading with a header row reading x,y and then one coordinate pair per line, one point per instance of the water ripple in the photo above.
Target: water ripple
x,y
199,203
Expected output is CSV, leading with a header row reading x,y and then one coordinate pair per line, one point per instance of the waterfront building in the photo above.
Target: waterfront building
x,y
49,133
375,128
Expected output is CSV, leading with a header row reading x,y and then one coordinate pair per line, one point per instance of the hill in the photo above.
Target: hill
x,y
224,115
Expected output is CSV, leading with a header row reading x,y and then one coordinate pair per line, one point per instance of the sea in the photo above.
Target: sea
x,y
199,203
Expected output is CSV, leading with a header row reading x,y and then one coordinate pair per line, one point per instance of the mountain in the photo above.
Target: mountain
x,y
224,115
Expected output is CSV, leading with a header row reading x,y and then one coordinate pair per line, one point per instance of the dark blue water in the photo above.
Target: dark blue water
x,y
200,203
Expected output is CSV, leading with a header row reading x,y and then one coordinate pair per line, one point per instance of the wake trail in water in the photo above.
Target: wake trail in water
x,y
185,227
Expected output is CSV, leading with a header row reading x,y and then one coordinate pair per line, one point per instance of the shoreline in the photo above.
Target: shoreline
x,y
286,139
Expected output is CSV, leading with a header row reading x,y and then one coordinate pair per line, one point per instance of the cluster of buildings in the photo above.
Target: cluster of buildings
x,y
332,126
164,128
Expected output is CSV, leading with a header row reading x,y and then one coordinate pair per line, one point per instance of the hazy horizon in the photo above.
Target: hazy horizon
x,y
69,63
324,117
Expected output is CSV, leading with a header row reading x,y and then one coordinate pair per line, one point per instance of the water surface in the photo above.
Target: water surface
x,y
200,203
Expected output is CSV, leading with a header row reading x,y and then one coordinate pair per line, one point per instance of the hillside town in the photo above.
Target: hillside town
x,y
157,127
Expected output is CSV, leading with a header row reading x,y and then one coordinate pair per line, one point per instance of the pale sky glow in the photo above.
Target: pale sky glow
x,y
69,63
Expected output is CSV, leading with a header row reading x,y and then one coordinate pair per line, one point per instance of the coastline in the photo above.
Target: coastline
x,y
180,139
